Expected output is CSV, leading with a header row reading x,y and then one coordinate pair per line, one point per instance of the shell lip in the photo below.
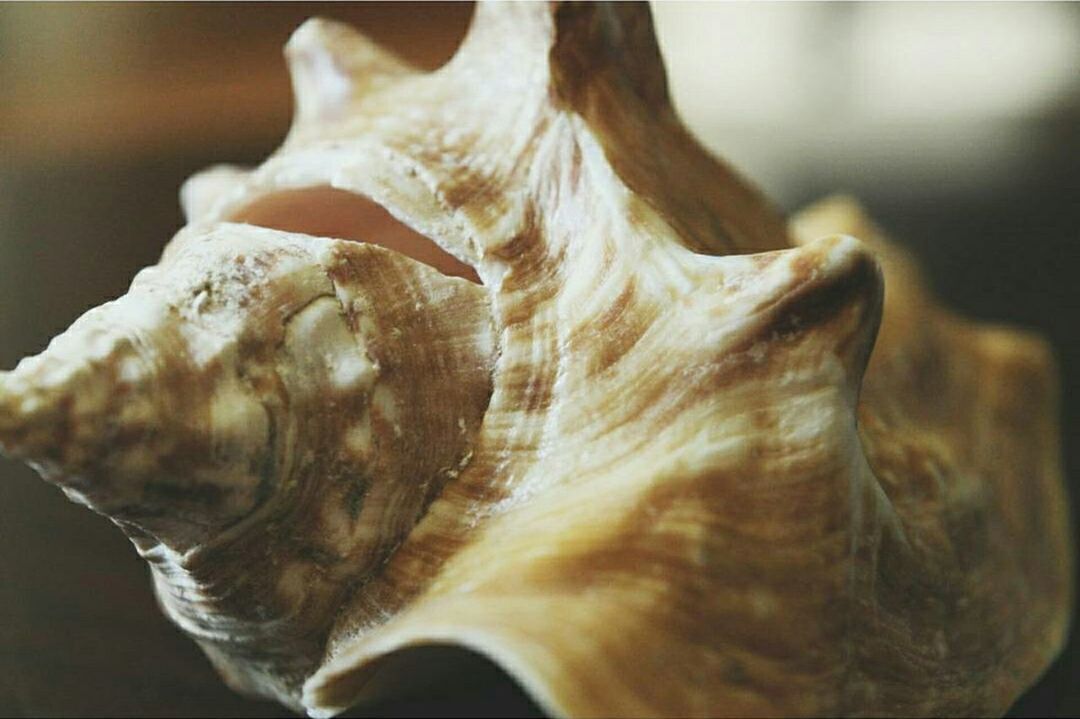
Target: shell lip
x,y
360,678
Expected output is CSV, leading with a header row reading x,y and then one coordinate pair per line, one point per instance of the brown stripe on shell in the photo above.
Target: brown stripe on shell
x,y
620,325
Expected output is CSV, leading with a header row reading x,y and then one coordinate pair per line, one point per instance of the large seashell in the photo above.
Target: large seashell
x,y
644,466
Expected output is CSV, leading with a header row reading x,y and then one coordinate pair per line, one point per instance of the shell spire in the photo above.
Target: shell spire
x,y
97,414
511,364
168,428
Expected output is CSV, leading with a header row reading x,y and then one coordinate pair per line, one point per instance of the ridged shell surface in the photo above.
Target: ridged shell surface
x,y
498,358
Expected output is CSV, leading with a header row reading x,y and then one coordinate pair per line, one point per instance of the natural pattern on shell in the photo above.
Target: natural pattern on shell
x,y
645,466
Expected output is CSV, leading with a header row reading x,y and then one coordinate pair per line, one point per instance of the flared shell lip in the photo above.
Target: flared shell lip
x,y
482,642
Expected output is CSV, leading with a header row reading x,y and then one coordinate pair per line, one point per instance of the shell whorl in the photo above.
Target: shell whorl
x,y
266,415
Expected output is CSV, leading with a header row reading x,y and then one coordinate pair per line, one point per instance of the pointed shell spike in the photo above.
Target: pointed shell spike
x,y
332,66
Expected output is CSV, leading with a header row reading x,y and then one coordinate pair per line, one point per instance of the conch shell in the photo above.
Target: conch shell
x,y
578,400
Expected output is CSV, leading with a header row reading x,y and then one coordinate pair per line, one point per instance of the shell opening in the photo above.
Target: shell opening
x,y
461,679
328,212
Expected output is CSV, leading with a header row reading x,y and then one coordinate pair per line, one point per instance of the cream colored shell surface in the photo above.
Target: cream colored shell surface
x,y
653,463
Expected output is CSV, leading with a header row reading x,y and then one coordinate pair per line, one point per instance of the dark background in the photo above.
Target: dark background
x,y
107,108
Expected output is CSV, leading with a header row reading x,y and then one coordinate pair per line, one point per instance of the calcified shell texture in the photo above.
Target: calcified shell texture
x,y
498,358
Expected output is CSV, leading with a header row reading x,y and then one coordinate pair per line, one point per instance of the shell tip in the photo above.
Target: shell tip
x,y
331,64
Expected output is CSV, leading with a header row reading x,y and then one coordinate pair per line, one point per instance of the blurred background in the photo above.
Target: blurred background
x,y
958,126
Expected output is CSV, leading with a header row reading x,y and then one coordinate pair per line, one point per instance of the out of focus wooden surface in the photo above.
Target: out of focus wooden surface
x,y
172,76
108,107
